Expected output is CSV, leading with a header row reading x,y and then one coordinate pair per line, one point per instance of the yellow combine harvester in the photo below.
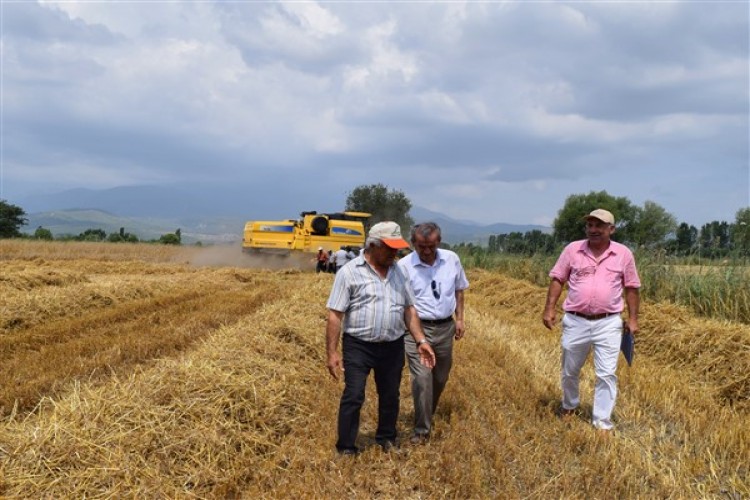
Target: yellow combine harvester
x,y
310,232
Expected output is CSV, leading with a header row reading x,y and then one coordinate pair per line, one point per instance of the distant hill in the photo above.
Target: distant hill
x,y
455,231
74,222
203,214
177,201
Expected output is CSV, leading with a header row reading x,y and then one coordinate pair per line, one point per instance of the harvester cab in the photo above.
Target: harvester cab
x,y
306,234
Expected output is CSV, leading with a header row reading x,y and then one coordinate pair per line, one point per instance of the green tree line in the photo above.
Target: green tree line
x,y
646,228
13,218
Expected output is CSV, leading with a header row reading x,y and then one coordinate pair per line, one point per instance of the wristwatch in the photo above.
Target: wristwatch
x,y
420,342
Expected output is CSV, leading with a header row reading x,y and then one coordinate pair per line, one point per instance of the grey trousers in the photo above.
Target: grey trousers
x,y
427,385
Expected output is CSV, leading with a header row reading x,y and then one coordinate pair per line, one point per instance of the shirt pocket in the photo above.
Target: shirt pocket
x,y
614,275
582,274
396,301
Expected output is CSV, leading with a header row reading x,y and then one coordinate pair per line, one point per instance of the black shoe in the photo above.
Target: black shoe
x,y
348,452
388,446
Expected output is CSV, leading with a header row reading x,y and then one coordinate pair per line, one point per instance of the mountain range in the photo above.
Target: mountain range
x,y
150,211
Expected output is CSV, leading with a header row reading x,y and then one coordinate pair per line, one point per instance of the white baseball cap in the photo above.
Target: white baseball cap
x,y
389,233
602,215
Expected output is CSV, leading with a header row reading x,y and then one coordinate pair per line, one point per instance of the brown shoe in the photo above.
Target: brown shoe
x,y
565,414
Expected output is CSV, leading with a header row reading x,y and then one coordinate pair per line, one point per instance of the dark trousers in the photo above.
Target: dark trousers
x,y
387,361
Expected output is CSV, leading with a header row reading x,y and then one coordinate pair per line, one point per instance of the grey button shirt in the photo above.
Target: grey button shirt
x,y
373,307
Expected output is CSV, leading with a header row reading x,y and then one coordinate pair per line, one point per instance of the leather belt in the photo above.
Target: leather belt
x,y
436,321
591,317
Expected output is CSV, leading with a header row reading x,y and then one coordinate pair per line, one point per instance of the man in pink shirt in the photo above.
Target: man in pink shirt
x,y
597,270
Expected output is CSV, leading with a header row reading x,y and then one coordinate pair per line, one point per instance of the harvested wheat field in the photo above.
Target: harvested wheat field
x,y
160,372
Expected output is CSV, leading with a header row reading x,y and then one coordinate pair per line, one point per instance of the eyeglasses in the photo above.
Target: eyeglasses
x,y
435,289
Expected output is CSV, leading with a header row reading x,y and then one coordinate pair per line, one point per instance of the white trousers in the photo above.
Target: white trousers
x,y
579,337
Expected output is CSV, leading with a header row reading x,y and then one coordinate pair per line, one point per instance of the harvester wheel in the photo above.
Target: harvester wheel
x,y
320,225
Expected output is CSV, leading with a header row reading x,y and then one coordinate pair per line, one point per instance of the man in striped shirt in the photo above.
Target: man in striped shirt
x,y
372,302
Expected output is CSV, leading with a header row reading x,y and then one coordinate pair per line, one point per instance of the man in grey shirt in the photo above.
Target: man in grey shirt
x,y
373,304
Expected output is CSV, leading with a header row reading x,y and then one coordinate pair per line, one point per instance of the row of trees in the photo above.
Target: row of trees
x,y
652,227
648,227
120,236
42,233
714,240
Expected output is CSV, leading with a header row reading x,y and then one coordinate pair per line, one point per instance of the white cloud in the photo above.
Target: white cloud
x,y
316,20
387,63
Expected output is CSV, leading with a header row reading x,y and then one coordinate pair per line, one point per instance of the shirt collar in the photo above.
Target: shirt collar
x,y
584,248
418,262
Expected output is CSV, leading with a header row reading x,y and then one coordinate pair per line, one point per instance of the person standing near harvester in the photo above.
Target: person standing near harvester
x,y
341,257
321,261
372,303
596,270
439,281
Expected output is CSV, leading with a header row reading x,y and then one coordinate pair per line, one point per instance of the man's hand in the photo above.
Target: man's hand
x,y
549,318
426,355
460,329
632,325
335,364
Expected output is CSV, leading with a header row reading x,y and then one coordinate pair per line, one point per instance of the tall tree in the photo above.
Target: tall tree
x,y
92,235
741,233
686,239
383,203
515,243
569,224
652,225
714,239
11,220
538,242
42,233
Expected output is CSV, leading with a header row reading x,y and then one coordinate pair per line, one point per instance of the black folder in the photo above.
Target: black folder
x,y
627,345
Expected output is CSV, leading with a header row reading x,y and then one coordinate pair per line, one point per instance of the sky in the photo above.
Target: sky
x,y
483,111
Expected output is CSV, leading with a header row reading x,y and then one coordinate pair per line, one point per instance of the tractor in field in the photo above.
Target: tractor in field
x,y
310,232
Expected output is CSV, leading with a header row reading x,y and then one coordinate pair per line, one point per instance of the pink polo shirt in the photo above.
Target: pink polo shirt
x,y
595,287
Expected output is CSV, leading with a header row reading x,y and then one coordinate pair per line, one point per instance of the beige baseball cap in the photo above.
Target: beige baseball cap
x,y
602,215
389,233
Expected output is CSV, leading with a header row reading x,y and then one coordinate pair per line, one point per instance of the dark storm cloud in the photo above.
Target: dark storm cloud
x,y
498,106
37,24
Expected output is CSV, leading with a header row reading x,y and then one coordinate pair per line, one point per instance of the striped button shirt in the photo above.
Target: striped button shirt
x,y
373,307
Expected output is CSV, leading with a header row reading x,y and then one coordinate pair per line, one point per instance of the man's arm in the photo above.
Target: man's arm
x,y
460,328
633,300
426,354
333,332
553,295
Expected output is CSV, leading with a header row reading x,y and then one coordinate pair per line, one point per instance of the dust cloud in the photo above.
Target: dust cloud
x,y
233,256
